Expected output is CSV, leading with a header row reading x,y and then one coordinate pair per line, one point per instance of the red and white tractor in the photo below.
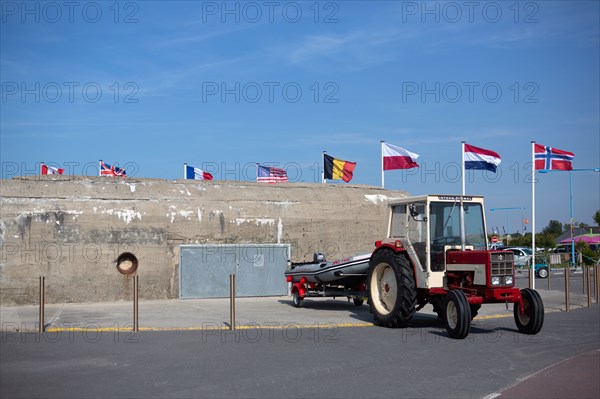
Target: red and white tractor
x,y
436,252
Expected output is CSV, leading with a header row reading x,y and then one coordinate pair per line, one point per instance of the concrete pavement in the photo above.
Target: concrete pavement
x,y
272,312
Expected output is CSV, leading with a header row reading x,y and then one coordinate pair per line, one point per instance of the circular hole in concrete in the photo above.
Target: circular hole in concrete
x,y
127,263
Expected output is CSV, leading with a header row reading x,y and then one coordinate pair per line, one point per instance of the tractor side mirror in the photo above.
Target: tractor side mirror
x,y
412,209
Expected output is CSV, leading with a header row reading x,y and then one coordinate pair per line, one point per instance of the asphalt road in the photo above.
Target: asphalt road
x,y
416,362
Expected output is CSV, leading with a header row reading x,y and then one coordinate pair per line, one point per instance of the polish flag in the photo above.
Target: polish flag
x,y
395,157
50,170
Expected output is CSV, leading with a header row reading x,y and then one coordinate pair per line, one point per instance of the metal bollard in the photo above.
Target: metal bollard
x,y
232,302
589,288
135,304
584,279
597,275
41,327
567,303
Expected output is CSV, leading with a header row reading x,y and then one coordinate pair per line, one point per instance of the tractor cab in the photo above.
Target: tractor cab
x,y
431,226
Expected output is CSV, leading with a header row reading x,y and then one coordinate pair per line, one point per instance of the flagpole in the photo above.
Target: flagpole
x,y
185,170
382,170
461,215
323,171
100,168
463,166
531,271
257,171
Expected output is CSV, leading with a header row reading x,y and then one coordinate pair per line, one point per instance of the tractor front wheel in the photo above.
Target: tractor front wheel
x,y
457,314
529,321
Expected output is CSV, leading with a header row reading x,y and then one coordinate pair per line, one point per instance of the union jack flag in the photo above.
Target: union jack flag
x,y
552,158
111,170
270,174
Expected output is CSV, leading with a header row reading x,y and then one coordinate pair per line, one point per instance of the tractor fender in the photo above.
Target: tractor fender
x,y
398,250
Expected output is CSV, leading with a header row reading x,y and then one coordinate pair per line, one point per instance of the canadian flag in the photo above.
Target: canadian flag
x,y
51,170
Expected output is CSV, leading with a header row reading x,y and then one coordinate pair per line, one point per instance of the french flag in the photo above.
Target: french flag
x,y
50,170
395,157
196,173
480,158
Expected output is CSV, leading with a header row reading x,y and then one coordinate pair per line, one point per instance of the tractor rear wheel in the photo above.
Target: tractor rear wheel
x,y
457,314
532,319
391,289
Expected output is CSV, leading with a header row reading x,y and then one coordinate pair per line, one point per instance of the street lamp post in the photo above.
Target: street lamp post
x,y
571,202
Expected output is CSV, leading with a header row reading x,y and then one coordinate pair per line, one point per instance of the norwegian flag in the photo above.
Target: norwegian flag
x,y
552,158
111,170
270,174
51,170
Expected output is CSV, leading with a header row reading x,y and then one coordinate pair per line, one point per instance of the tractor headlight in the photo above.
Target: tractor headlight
x,y
508,280
496,280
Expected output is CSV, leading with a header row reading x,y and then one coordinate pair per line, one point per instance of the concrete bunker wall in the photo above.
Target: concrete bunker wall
x,y
72,229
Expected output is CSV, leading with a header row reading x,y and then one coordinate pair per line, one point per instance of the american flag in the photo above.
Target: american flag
x,y
110,170
552,158
270,174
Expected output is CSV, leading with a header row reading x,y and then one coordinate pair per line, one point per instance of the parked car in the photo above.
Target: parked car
x,y
522,255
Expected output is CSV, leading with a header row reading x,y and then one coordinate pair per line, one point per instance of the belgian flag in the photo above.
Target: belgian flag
x,y
336,169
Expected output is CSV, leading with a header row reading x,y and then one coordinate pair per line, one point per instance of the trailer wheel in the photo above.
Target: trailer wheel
x,y
391,289
457,314
298,301
532,319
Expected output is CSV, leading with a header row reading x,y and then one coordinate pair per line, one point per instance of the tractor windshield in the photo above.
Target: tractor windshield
x,y
445,224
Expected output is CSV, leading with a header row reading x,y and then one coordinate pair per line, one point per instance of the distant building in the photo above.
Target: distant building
x,y
577,232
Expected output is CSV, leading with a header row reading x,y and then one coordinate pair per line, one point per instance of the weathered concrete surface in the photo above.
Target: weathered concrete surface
x,y
71,229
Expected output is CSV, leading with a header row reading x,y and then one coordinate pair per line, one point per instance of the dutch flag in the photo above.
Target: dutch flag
x,y
480,158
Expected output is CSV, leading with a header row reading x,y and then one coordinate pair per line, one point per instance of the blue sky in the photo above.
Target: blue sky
x,y
151,85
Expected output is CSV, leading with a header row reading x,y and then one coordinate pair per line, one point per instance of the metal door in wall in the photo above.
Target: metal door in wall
x,y
204,270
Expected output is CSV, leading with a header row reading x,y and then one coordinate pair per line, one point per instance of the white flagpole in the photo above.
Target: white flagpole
x,y
463,166
323,171
531,271
257,171
184,170
100,168
382,170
